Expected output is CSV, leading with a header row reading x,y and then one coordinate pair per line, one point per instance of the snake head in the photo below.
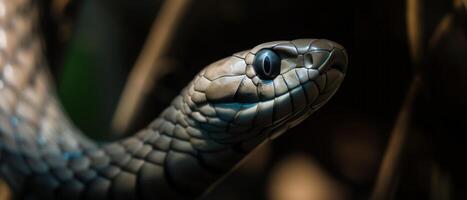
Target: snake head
x,y
267,89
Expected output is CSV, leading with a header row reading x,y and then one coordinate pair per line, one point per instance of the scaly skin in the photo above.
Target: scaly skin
x,y
222,115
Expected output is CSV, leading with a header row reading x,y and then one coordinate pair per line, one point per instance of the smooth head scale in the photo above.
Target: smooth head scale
x,y
267,89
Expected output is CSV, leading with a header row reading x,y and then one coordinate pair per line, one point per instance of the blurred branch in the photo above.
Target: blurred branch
x,y
415,29
148,67
442,28
460,3
386,180
5,193
58,7
388,173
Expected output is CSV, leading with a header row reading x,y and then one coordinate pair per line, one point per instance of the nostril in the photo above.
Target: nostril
x,y
308,60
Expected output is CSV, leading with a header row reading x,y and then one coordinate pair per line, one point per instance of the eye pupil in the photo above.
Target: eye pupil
x,y
267,64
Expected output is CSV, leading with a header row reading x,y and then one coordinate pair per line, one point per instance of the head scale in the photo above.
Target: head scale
x,y
265,90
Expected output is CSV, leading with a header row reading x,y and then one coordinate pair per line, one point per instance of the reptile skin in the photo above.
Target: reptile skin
x,y
221,116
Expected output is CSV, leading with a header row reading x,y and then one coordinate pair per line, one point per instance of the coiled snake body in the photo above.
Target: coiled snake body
x,y
230,107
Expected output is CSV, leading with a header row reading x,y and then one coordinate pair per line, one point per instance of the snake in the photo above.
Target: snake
x,y
230,108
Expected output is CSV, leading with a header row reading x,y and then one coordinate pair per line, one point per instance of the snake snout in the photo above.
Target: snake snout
x,y
321,54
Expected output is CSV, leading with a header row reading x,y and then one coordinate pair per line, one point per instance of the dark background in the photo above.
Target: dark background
x,y
346,138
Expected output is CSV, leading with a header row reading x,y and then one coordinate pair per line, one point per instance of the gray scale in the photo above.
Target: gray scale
x,y
171,113
282,106
202,84
291,80
214,121
246,115
266,89
55,161
121,159
208,127
86,175
182,146
163,143
280,87
133,165
312,91
247,92
144,151
114,149
63,174
286,50
226,112
321,82
197,116
80,163
299,98
181,133
208,111
206,145
110,171
98,189
132,145
122,186
194,132
37,166
167,128
302,75
265,115
156,157
223,89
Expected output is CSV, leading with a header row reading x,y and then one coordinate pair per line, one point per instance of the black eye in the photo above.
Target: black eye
x,y
267,64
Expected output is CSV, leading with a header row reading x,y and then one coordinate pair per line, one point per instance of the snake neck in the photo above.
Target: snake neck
x,y
187,132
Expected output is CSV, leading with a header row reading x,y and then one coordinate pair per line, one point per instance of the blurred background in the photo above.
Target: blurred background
x,y
339,152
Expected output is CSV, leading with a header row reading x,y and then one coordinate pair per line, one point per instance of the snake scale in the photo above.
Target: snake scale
x,y
232,106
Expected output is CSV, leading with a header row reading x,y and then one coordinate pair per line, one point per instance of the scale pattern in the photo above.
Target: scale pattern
x,y
48,158
223,114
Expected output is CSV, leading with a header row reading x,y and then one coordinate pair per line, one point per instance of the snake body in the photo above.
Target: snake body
x,y
230,107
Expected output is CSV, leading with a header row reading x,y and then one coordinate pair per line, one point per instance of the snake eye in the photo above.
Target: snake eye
x,y
267,64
